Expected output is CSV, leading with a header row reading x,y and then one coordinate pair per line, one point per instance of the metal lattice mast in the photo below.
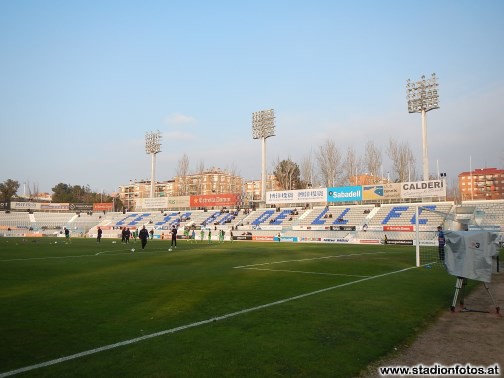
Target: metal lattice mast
x,y
423,96
263,126
152,147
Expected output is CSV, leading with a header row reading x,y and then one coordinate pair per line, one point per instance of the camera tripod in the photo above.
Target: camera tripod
x,y
459,289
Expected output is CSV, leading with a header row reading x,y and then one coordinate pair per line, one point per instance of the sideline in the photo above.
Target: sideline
x,y
192,325
101,253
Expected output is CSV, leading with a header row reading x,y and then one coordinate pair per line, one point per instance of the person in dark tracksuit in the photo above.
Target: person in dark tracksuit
x,y
174,236
441,243
143,236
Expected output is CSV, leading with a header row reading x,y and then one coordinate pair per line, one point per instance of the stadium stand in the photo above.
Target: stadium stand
x,y
341,223
487,213
15,220
337,215
402,215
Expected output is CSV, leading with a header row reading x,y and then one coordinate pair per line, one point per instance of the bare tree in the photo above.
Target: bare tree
x,y
352,166
182,173
373,161
403,161
307,171
233,183
32,189
287,174
452,191
329,163
199,171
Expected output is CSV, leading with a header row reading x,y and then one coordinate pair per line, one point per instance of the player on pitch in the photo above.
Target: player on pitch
x,y
441,243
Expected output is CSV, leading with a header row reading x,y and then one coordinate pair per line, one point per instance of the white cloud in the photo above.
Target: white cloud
x,y
177,135
178,119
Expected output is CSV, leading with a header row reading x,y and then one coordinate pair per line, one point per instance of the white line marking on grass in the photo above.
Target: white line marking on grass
x,y
192,325
310,259
105,253
47,258
300,271
62,257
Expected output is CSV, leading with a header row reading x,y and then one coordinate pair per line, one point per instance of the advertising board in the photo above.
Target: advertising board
x,y
296,196
344,194
421,189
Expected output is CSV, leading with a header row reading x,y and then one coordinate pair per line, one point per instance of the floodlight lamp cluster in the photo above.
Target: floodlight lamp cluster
x,y
152,142
263,124
422,95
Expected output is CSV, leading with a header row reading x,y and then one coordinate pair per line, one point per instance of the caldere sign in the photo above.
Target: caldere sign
x,y
419,189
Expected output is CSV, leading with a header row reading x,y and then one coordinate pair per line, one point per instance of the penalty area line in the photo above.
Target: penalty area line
x,y
310,259
303,272
192,325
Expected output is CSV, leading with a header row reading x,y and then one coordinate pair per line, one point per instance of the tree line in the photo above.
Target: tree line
x,y
61,193
326,166
329,166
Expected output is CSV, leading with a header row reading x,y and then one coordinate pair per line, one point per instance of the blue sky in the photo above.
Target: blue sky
x,y
82,81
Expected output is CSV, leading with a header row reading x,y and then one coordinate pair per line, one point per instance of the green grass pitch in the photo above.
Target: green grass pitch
x,y
233,309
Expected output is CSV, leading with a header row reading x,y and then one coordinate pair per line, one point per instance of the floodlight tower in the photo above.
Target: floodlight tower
x,y
423,96
263,126
152,147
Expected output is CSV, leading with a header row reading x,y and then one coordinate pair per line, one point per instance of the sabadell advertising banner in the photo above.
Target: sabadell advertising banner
x,y
344,194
